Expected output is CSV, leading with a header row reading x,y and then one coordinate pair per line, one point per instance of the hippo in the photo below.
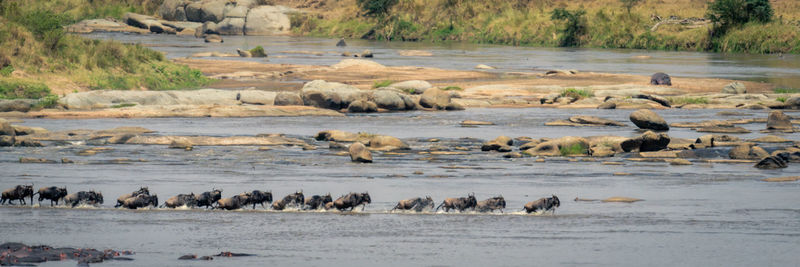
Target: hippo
x,y
352,200
189,200
491,204
19,192
460,204
121,199
295,199
83,197
259,197
317,202
52,193
543,204
207,199
233,203
416,204
140,201
660,78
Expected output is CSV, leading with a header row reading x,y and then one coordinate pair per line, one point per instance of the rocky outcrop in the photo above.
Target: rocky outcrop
x,y
362,106
734,88
330,95
360,153
388,99
500,144
21,105
649,141
434,99
105,99
771,162
748,152
648,120
266,20
288,99
337,135
777,120
564,146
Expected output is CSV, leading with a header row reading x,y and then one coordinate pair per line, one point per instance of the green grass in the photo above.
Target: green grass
x,y
11,88
258,51
6,71
384,83
574,149
123,105
781,99
687,100
49,101
455,88
577,93
786,90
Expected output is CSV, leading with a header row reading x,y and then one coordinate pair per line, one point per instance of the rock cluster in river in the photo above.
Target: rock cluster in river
x,y
243,17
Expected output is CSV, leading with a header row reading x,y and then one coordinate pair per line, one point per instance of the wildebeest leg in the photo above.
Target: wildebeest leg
x,y
363,207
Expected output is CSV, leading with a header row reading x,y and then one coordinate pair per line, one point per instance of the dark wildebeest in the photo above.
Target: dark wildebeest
x,y
180,200
259,197
52,193
543,204
121,199
19,192
233,203
491,204
83,197
417,204
140,201
317,202
296,199
207,199
460,204
352,200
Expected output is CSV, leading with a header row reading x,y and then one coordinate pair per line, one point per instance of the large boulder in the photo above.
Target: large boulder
x,y
748,152
777,120
360,153
649,141
435,99
231,26
501,143
361,106
174,10
257,97
266,20
330,95
235,11
564,146
792,103
336,135
21,105
648,120
412,86
288,99
6,128
388,99
734,88
771,162
146,22
7,140
212,10
385,142
660,78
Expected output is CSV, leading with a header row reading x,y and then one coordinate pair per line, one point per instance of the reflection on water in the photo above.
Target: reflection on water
x,y
702,214
781,70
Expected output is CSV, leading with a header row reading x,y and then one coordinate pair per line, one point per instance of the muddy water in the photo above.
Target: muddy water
x,y
703,214
783,70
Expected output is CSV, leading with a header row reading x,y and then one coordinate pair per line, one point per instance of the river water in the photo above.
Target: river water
x,y
698,215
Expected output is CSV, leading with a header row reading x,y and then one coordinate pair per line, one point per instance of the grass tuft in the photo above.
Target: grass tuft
x,y
455,88
384,83
574,149
687,100
786,90
577,93
258,51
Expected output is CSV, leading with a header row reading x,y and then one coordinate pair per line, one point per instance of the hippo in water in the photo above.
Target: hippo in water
x,y
352,200
491,204
207,199
121,199
19,192
140,201
317,202
83,197
416,204
460,204
180,200
52,193
296,199
660,78
543,204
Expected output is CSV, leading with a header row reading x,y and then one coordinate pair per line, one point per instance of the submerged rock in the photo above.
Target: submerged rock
x,y
777,120
771,162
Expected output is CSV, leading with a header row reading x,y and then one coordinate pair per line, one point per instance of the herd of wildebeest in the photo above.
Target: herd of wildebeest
x,y
213,199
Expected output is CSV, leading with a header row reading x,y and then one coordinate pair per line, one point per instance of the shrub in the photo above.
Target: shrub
x,y
577,93
123,105
258,51
729,13
574,27
14,88
574,149
6,71
383,83
456,88
376,7
786,90
49,101
781,99
688,100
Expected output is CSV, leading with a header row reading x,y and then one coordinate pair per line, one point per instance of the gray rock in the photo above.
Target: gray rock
x,y
288,99
235,11
607,105
231,26
341,43
435,99
192,11
409,102
6,128
213,38
748,152
649,141
212,10
660,100
771,162
7,140
257,97
331,95
266,20
595,121
388,99
21,105
498,144
360,106
649,120
452,106
734,88
243,53
360,153
173,10
777,120
660,78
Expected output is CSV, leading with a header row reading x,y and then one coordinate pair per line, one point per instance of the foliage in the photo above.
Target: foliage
x,y
49,101
448,88
574,27
6,71
629,4
18,88
688,100
384,83
376,7
781,99
258,51
123,105
577,93
726,14
786,90
573,149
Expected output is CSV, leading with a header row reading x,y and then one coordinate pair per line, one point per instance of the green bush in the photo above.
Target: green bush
x,y
258,51
49,101
781,99
574,149
577,93
6,71
456,88
786,90
383,83
376,7
14,88
687,100
729,13
574,26
123,105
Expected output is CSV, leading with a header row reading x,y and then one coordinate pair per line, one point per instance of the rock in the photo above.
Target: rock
x,y
601,151
410,103
771,162
235,11
607,105
792,103
454,107
181,144
360,106
266,20
336,135
366,53
705,140
649,141
475,123
336,145
360,153
121,139
649,120
435,99
7,140
484,67
173,10
777,120
35,160
771,139
388,99
748,152
6,128
497,143
24,130
591,120
21,105
660,78
412,86
782,179
29,143
213,38
341,43
385,142
243,53
564,146
660,100
734,88
212,10
752,107
330,95
231,26
66,161
512,155
257,97
679,162
287,99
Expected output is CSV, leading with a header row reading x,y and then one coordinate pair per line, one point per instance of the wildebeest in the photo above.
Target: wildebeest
x,y
52,193
189,200
317,202
543,204
417,204
121,199
491,204
232,203
140,201
207,199
259,197
460,204
352,200
295,199
19,192
83,197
